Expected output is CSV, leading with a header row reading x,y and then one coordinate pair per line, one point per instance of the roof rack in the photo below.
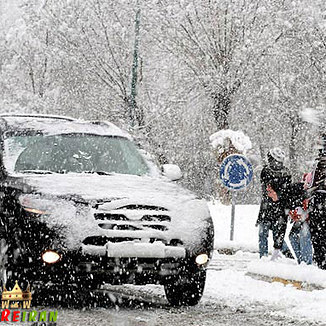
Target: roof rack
x,y
43,116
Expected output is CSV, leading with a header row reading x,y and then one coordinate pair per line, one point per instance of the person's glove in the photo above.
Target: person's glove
x,y
294,215
298,214
271,193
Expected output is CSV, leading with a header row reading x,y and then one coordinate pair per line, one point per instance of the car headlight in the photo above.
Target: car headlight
x,y
50,256
34,211
202,259
36,205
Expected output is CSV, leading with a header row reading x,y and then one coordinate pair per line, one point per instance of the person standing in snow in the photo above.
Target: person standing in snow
x,y
275,179
317,206
299,236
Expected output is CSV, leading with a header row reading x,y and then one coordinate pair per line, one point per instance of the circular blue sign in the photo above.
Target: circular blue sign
x,y
236,172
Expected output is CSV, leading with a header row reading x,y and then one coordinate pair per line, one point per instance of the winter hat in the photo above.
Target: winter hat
x,y
277,154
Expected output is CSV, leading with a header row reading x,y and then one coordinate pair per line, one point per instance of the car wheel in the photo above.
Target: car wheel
x,y
11,268
185,290
3,259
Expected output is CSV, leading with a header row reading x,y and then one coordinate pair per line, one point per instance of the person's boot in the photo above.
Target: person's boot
x,y
287,254
276,255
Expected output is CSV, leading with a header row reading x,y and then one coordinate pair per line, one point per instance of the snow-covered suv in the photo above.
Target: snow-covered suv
x,y
82,206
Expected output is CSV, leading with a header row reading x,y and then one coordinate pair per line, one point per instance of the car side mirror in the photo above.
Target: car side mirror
x,y
172,172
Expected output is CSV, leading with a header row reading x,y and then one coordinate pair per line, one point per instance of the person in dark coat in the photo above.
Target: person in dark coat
x,y
300,237
317,206
275,179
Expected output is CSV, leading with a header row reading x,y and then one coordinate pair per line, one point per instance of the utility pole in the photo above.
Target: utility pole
x,y
134,77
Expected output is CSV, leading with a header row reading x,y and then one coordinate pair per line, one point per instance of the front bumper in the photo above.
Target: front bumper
x,y
129,270
133,249
119,262
79,266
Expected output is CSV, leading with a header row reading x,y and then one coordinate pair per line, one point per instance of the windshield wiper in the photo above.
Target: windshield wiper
x,y
36,171
98,172
61,172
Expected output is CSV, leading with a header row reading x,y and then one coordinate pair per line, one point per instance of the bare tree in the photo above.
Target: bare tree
x,y
220,42
98,36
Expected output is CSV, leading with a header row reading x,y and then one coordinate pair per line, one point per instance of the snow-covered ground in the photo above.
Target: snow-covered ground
x,y
245,233
229,277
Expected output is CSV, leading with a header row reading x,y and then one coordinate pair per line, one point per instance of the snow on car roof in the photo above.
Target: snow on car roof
x,y
53,125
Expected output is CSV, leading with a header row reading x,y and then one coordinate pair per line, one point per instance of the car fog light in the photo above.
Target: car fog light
x,y
202,259
50,257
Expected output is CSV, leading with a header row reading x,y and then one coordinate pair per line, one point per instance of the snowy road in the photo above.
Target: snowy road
x,y
146,306
202,315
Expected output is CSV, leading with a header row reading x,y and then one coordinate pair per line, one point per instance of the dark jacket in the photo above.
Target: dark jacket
x,y
278,177
319,174
317,210
295,196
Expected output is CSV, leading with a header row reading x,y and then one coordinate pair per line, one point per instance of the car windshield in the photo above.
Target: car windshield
x,y
75,153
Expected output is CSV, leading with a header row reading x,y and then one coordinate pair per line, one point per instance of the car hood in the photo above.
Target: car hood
x,y
112,194
93,187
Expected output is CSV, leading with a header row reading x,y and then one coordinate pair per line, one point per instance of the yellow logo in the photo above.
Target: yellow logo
x,y
16,298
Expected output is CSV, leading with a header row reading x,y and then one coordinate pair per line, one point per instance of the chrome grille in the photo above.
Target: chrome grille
x,y
109,216
134,217
103,240
123,227
156,218
156,227
143,207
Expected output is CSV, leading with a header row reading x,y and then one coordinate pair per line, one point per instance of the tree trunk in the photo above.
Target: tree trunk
x,y
292,150
221,109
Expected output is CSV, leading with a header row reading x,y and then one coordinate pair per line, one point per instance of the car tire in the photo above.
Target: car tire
x,y
186,289
11,267
3,259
